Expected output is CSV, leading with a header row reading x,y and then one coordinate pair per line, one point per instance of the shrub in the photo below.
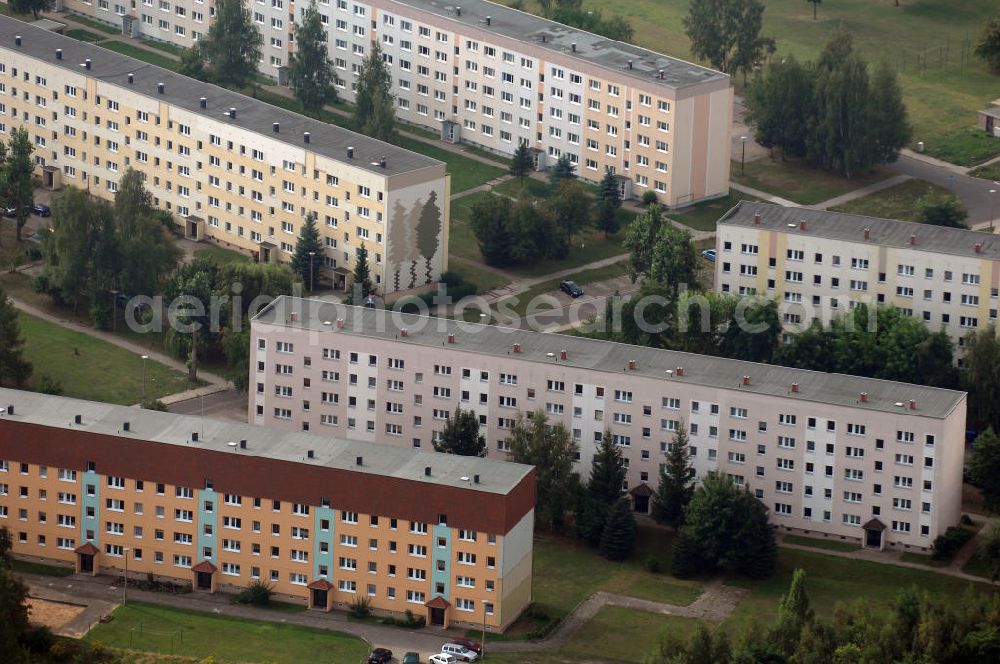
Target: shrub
x,y
687,559
258,593
49,385
361,607
649,197
947,545
967,520
33,253
652,563
39,640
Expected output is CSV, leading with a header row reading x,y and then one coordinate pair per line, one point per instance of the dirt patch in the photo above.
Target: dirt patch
x,y
53,615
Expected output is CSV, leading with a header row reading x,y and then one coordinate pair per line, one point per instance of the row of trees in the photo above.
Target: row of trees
x,y
913,628
571,12
830,112
94,247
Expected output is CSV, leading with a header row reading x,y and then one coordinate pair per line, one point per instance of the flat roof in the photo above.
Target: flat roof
x,y
559,38
496,476
611,357
252,115
851,227
992,111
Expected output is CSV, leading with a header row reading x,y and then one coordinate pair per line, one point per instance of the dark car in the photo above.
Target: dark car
x,y
474,646
571,289
41,209
411,658
380,656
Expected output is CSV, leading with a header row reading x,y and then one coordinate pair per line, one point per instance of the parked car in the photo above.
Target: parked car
x,y
474,646
41,209
709,255
411,658
10,212
459,652
571,289
380,656
442,658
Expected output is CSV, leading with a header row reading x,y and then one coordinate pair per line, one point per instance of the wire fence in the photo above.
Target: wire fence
x,y
141,637
950,57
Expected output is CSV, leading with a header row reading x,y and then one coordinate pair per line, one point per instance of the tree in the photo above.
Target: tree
x,y
14,369
889,126
779,103
68,248
570,208
521,162
374,111
362,273
192,62
17,176
190,291
941,208
490,221
815,3
982,377
13,605
618,538
308,257
984,468
988,46
755,331
673,261
233,44
793,615
676,482
640,237
728,525
33,6
609,200
551,450
603,490
461,435
310,71
533,232
146,251
989,551
562,170
727,33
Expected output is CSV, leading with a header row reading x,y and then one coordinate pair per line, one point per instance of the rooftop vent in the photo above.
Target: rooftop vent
x,y
573,46
275,127
913,404
127,426
305,137
563,355
310,454
17,40
863,397
243,444
629,64
86,63
517,348
404,332
78,419
294,316
350,153
10,409
458,11
475,479
802,225
868,233
544,36
381,161
913,239
680,371
194,437
58,54
979,247
451,338
159,88
359,461
203,102
231,113
340,323
756,217
746,380
489,20
659,73
631,365
131,79
795,387
427,471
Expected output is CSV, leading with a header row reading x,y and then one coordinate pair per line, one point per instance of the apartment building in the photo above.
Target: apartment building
x,y
845,456
820,264
179,22
229,168
219,505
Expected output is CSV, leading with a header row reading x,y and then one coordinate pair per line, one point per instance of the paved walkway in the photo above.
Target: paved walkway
x,y
762,195
862,192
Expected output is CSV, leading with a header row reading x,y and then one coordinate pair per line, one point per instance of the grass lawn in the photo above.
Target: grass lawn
x,y
88,368
531,186
166,47
991,172
485,279
922,559
896,202
567,572
832,579
152,58
96,25
703,216
29,567
967,146
817,543
85,35
221,255
798,182
466,173
977,567
625,635
160,629
927,41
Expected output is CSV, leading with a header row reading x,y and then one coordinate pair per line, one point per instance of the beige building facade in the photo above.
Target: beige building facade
x,y
218,505
821,264
836,455
230,169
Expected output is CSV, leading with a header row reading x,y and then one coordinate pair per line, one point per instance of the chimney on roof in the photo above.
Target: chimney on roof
x,y
10,409
381,161
350,153
475,479
86,63
913,404
756,217
58,54
275,127
680,371
863,397
543,37
489,20
17,40
451,338
359,461
231,113
458,11
802,224
310,454
305,137
427,471
340,323
629,64
659,73
573,46
194,437
203,102
294,316
563,355
746,380
979,247
517,348
243,444
78,419
913,239
159,88
631,365
868,233
127,426
404,332
131,79
795,387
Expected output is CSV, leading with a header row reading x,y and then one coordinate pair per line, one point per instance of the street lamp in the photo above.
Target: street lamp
x,y
125,551
144,358
312,256
992,199
114,310
743,156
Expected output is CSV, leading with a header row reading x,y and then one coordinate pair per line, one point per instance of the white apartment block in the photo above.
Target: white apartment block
x,y
179,22
844,456
820,264
230,169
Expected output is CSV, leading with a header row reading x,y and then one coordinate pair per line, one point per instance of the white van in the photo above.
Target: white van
x,y
461,653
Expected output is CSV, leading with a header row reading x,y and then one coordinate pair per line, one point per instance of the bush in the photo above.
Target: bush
x,y
33,252
154,404
49,385
652,564
947,545
967,520
258,593
649,197
361,607
39,640
686,559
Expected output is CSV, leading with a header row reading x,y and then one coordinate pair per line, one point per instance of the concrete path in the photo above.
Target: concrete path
x,y
762,195
862,192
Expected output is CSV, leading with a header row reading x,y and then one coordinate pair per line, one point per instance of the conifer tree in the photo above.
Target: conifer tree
x,y
618,538
303,264
676,482
14,369
521,163
609,200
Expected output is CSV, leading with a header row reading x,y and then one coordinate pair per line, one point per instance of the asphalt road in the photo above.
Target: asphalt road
x,y
974,192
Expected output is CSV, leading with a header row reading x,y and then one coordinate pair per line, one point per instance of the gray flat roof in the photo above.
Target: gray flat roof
x,y
252,115
851,227
597,50
610,357
496,476
992,111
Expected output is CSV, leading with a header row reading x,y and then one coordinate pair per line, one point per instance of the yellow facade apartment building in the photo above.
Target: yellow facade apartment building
x,y
219,505
229,168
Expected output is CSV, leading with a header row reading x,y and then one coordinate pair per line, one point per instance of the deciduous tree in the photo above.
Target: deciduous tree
x,y
727,33
14,369
308,257
374,110
942,209
988,46
33,6
147,252
982,377
570,209
233,43
490,221
13,605
17,177
310,71
989,550
984,468
779,104
551,450
461,435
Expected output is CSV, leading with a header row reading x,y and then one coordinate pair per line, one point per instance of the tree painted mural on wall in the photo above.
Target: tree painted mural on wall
x,y
400,241
414,235
428,231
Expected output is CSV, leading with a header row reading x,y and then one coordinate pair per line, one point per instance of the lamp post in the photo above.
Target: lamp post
x,y
125,551
114,310
144,358
743,156
992,199
312,257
